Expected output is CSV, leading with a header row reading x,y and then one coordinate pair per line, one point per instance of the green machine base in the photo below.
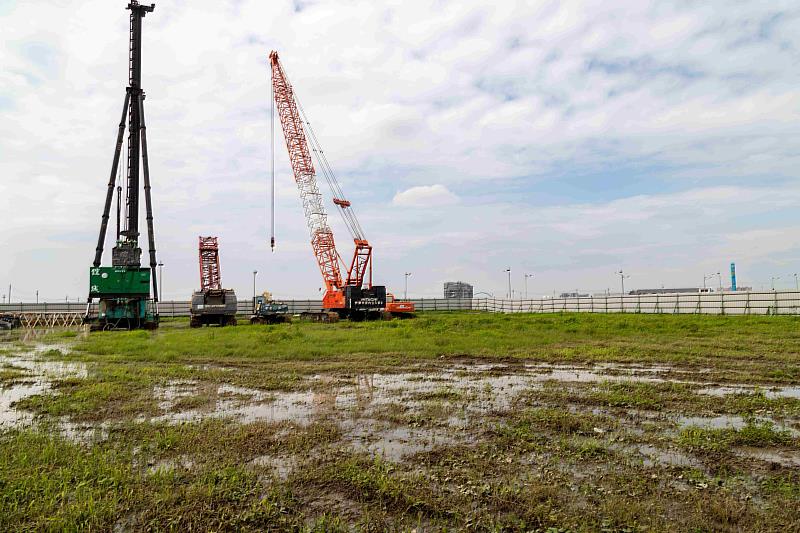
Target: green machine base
x,y
124,299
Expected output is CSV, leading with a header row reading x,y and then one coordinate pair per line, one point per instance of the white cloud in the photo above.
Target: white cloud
x,y
469,96
425,196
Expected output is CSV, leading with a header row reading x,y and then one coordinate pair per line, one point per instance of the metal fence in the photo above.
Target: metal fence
x,y
719,303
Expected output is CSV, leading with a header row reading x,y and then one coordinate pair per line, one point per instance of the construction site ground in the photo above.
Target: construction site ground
x,y
476,421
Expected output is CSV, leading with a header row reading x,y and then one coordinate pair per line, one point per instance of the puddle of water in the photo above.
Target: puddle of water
x,y
395,443
472,389
39,377
790,458
729,422
574,374
655,456
168,394
11,416
31,335
769,392
281,466
184,462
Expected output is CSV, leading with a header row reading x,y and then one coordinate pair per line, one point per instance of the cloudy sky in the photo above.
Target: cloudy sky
x,y
567,139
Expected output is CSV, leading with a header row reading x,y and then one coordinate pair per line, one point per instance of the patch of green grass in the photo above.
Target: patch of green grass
x,y
90,400
534,426
641,395
585,448
375,482
47,483
739,343
786,485
11,373
755,433
755,402
444,393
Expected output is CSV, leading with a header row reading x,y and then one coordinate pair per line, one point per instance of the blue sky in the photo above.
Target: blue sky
x,y
564,139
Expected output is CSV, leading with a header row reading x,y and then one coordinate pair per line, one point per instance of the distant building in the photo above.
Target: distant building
x,y
457,289
683,290
574,295
688,290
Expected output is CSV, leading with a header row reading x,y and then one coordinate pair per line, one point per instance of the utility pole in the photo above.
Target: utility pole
x,y
796,286
526,284
37,296
719,278
9,293
508,271
405,292
708,277
772,281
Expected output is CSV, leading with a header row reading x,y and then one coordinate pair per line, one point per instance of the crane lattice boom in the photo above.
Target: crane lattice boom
x,y
210,277
322,240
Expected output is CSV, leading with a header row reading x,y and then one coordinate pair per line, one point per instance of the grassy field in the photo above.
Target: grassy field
x,y
448,421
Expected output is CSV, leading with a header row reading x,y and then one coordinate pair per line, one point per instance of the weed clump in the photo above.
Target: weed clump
x,y
754,433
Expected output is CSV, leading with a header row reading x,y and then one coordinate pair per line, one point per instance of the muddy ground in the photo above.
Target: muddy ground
x,y
452,442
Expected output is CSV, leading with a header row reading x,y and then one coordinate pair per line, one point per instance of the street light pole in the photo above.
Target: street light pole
x,y
255,272
622,278
161,279
796,286
773,281
37,296
526,284
508,270
405,292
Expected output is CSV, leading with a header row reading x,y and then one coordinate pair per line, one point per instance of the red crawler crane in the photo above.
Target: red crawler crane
x,y
351,297
212,304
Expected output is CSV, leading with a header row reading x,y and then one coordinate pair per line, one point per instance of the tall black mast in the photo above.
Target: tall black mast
x,y
127,252
134,119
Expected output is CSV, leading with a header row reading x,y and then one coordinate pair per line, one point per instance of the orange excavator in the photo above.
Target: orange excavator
x,y
354,297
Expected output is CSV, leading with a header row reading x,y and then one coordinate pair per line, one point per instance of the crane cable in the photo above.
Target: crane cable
x,y
347,214
353,226
272,149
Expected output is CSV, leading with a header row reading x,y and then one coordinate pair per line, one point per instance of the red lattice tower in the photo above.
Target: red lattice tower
x,y
209,264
